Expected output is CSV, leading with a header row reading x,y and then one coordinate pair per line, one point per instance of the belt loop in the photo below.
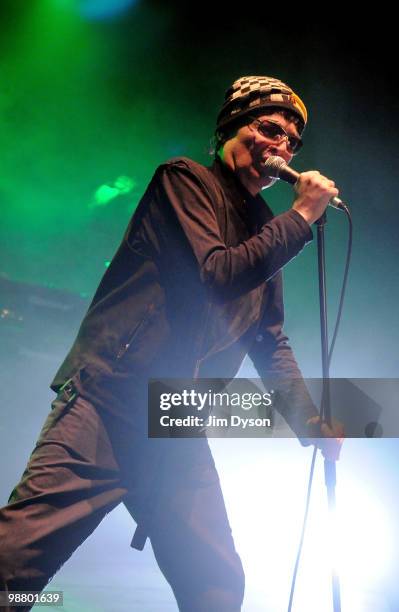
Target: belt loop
x,y
140,537
68,389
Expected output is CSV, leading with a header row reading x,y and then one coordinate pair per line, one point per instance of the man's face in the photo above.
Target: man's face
x,y
246,152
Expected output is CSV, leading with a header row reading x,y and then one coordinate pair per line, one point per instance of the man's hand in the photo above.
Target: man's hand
x,y
314,191
328,439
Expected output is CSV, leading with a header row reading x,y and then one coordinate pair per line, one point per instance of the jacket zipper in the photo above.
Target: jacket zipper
x,y
201,342
133,335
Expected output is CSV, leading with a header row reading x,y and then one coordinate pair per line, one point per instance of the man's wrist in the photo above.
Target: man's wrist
x,y
305,216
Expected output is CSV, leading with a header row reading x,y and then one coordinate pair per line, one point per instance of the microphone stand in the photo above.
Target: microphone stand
x,y
329,466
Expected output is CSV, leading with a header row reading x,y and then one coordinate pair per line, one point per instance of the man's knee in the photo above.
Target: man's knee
x,y
19,568
8,553
220,600
223,595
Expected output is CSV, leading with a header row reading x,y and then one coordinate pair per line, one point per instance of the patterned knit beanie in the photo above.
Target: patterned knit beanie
x,y
253,93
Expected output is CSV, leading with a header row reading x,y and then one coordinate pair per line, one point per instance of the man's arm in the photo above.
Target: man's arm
x,y
275,363
230,270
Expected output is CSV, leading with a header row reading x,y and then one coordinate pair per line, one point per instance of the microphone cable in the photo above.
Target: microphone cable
x,y
314,454
344,282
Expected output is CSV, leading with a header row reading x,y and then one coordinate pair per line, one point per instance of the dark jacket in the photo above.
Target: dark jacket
x,y
194,287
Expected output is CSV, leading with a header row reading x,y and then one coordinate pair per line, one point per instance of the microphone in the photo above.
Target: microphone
x,y
276,167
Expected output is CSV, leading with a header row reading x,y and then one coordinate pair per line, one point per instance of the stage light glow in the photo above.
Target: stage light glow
x,y
363,523
107,192
265,490
104,9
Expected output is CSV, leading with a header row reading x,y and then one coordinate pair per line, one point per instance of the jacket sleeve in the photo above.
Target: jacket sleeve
x,y
231,270
276,365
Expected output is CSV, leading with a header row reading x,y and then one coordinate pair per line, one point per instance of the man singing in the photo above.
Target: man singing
x,y
194,288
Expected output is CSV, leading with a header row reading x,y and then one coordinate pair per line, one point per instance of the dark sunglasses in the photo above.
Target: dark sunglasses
x,y
274,131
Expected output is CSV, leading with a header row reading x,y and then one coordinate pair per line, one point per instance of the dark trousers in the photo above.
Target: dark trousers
x,y
84,464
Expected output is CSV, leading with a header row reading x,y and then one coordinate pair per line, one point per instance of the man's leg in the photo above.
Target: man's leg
x,y
191,536
72,480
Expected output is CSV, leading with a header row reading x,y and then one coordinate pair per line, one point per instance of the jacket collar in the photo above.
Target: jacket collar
x,y
230,180
238,194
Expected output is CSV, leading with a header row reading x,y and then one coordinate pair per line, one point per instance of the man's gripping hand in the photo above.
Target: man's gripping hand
x,y
328,439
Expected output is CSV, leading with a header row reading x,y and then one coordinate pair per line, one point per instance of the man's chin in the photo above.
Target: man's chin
x,y
266,181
